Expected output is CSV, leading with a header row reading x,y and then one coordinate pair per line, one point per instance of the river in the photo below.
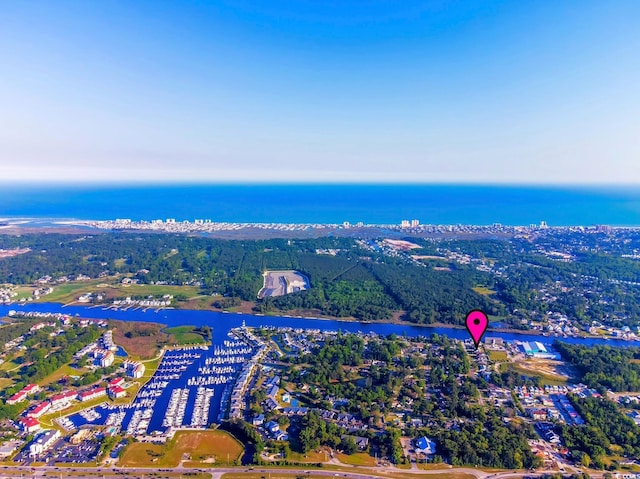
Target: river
x,y
223,322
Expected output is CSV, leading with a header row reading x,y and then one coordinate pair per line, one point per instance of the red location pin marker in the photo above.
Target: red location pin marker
x,y
477,323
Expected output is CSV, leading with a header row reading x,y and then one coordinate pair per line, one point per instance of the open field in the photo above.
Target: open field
x,y
5,383
214,447
484,291
541,368
23,292
184,335
219,445
9,366
139,339
401,245
357,459
428,257
155,290
497,355
547,367
431,467
65,370
110,287
310,457
144,454
68,292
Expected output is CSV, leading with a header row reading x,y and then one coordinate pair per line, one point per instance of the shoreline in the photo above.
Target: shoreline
x,y
396,322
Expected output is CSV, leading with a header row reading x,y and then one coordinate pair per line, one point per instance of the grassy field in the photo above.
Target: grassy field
x,y
484,291
550,379
184,335
357,459
9,366
310,457
110,287
65,370
5,383
431,467
141,340
444,475
23,292
216,447
198,303
155,290
68,292
497,355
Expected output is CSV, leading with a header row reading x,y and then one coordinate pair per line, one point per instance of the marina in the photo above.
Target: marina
x,y
190,389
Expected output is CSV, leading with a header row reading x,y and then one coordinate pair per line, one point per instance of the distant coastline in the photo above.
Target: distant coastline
x,y
327,204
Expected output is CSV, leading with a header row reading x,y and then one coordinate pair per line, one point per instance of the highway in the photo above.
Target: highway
x,y
217,473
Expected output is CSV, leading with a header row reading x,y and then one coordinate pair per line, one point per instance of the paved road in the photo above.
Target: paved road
x,y
120,472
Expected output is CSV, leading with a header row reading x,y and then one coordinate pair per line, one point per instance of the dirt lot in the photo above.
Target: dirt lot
x,y
548,368
279,283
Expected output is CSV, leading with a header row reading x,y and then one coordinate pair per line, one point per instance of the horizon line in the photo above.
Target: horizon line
x,y
201,183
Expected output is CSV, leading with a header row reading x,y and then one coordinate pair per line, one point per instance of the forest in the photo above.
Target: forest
x,y
603,366
607,431
513,279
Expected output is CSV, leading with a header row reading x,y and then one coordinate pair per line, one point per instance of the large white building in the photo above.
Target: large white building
x,y
103,357
133,369
537,350
44,441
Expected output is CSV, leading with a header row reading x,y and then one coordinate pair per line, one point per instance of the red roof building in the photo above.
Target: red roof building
x,y
63,398
91,394
117,392
29,424
116,382
17,397
40,409
31,389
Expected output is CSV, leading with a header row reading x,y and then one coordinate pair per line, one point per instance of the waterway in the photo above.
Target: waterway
x,y
202,376
223,322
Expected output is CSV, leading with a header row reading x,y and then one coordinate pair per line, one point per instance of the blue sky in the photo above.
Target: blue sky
x,y
458,91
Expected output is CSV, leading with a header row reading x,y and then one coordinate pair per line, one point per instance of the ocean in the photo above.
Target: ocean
x,y
329,204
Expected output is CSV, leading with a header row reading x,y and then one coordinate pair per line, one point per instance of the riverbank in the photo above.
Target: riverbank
x,y
221,323
245,309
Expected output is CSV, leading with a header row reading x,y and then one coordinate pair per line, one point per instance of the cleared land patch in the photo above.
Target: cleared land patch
x,y
484,291
8,253
402,245
279,283
549,371
218,447
428,257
